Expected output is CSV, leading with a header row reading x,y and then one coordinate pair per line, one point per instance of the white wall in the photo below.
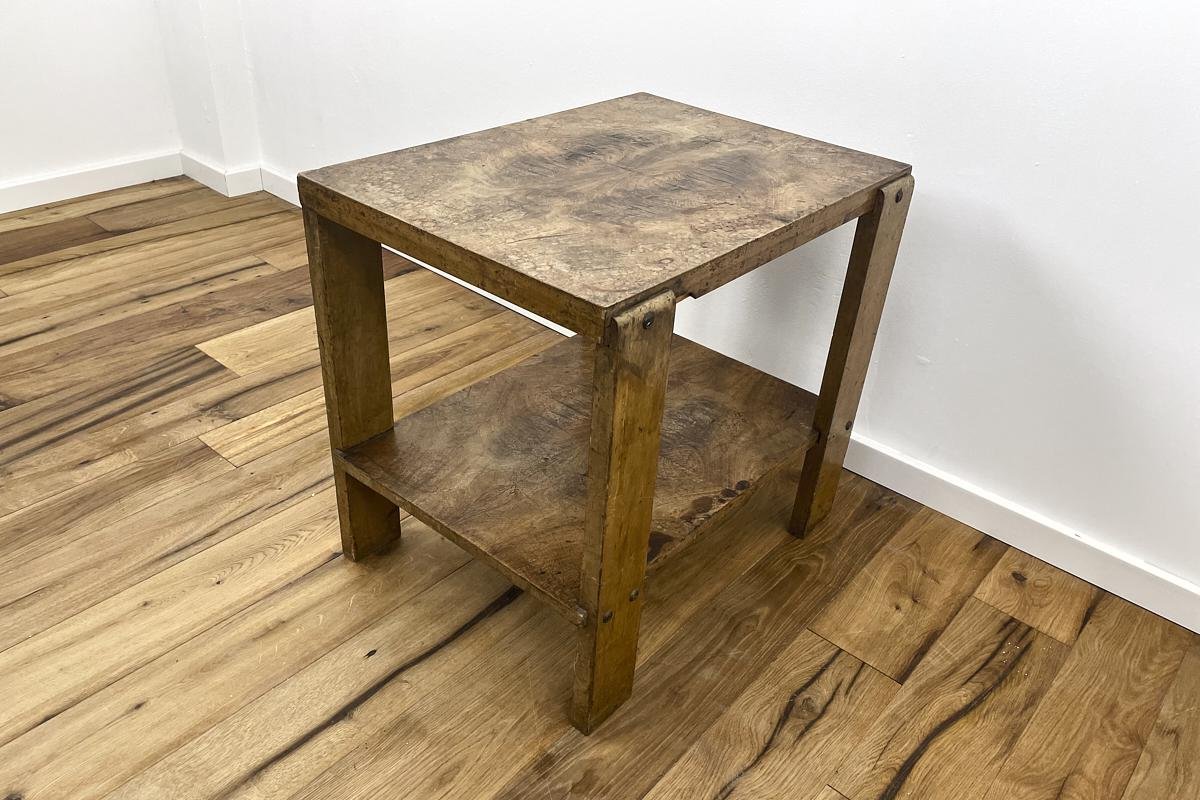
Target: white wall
x,y
83,88
208,67
1038,368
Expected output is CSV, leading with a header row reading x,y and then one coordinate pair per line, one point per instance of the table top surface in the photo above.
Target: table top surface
x,y
587,211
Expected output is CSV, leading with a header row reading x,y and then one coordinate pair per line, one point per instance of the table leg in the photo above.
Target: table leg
x,y
627,404
347,283
876,241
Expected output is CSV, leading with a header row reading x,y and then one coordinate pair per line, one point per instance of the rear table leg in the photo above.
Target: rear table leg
x,y
876,241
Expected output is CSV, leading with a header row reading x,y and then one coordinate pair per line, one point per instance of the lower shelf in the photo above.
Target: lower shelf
x,y
500,467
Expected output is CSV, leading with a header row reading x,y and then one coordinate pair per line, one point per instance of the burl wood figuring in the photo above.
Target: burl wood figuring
x,y
577,469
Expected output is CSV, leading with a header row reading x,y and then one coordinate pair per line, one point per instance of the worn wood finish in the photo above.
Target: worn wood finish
x,y
580,214
954,722
346,270
629,382
1170,763
1039,595
872,256
501,467
891,613
1085,737
174,625
586,217
785,735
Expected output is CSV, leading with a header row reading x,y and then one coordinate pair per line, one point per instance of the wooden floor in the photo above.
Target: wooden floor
x,y
176,620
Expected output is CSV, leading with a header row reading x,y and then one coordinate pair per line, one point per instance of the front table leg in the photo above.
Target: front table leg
x,y
347,283
876,241
630,377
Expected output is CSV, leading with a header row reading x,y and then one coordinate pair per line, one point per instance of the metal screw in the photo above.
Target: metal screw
x,y
633,595
899,195
648,321
607,617
849,424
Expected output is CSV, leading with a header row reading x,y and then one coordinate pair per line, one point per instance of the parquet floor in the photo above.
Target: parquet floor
x,y
176,620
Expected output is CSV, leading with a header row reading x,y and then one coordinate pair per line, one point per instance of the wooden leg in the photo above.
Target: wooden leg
x,y
627,404
347,283
876,241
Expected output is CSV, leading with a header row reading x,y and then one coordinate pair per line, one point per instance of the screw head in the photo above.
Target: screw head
x,y
607,617
849,424
648,320
633,595
899,195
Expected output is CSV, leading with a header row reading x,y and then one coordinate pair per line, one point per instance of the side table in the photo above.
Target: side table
x,y
580,468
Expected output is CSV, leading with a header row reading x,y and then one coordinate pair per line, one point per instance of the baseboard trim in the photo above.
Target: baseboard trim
x,y
1111,569
280,185
49,188
1025,529
230,183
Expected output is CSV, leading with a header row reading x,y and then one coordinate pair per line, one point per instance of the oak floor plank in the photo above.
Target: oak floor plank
x,y
1086,736
954,722
446,355
458,740
35,318
230,230
405,653
1170,763
784,736
119,440
295,254
1039,595
41,528
48,673
155,211
890,613
57,416
93,203
92,567
416,301
100,742
39,239
829,793
127,345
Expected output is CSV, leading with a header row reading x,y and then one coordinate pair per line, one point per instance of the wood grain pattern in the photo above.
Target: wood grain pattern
x,y
511,701
872,257
725,426
629,383
737,634
1170,763
92,203
954,722
33,241
346,270
424,372
580,214
261,670
1039,595
784,736
1086,735
892,611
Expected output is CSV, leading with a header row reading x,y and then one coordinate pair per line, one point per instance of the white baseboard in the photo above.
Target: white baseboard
x,y
1025,529
66,184
280,185
230,183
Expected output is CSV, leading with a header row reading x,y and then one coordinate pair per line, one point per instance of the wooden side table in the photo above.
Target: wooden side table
x,y
575,470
